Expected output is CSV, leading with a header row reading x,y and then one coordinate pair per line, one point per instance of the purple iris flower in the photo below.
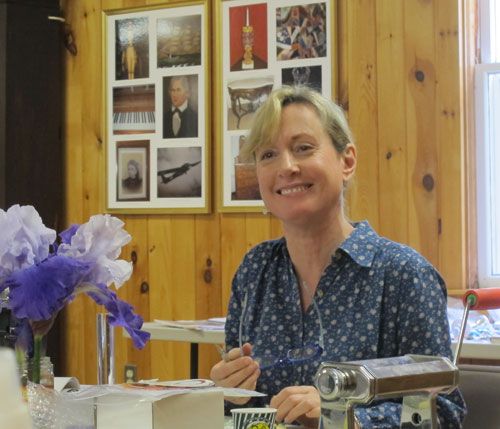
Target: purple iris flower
x,y
121,313
68,233
40,291
40,278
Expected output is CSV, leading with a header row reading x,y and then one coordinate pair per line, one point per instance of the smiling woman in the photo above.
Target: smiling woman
x,y
326,272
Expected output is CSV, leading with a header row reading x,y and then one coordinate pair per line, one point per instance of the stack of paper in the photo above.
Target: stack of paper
x,y
212,324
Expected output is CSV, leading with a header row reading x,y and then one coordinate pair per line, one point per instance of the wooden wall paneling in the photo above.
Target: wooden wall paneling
x,y
73,315
208,283
276,227
363,196
258,229
389,110
172,288
342,77
421,127
449,120
84,164
233,247
136,293
89,35
160,302
391,84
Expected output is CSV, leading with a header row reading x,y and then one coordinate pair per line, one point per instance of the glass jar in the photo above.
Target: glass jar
x,y
46,372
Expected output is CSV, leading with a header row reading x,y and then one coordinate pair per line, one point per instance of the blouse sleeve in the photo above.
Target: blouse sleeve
x,y
422,329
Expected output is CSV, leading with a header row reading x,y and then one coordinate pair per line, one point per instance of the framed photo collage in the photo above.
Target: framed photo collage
x,y
159,95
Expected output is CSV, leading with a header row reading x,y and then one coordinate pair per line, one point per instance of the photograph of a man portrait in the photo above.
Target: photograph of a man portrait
x,y
179,172
133,170
180,107
248,37
131,48
179,41
306,76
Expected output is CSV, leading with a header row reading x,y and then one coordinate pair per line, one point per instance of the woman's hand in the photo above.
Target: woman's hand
x,y
237,369
300,403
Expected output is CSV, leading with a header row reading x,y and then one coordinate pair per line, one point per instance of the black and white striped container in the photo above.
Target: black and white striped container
x,y
253,418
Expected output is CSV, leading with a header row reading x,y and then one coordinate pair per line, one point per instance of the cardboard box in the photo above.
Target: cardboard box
x,y
197,409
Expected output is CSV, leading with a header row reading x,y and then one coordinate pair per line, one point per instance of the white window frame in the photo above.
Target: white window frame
x,y
487,230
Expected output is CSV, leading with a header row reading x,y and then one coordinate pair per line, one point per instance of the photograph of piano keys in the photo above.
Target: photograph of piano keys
x,y
134,109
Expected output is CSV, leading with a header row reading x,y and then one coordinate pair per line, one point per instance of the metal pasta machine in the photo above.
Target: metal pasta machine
x,y
415,378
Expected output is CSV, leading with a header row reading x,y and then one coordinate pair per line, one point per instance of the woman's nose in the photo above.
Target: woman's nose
x,y
288,164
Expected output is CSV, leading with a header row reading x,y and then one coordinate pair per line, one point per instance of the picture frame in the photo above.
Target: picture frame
x,y
157,97
261,45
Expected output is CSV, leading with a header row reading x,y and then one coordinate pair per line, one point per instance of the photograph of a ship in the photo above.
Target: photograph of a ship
x,y
179,41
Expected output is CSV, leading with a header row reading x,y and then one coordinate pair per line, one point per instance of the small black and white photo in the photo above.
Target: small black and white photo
x,y
179,171
302,76
133,170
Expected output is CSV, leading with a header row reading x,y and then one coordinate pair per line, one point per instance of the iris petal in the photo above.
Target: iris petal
x,y
121,313
40,291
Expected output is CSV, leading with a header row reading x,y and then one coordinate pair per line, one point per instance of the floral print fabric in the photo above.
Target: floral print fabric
x,y
376,298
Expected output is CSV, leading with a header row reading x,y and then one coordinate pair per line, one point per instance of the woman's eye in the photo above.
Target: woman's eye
x,y
303,147
266,155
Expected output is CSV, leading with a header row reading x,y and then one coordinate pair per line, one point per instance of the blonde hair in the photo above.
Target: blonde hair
x,y
268,117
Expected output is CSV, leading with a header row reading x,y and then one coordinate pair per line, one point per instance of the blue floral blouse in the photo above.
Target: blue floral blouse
x,y
377,298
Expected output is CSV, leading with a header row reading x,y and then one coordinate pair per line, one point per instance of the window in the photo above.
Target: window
x,y
488,144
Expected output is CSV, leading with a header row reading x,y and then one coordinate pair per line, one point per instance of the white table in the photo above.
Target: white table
x,y
195,337
474,350
470,350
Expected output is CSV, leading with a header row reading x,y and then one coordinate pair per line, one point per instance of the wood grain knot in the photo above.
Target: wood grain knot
x,y
144,287
207,275
388,155
428,182
420,75
133,257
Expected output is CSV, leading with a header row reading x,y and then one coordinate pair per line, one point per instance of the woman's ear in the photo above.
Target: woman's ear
x,y
350,159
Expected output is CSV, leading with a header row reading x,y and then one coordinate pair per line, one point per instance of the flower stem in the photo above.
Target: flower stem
x,y
37,355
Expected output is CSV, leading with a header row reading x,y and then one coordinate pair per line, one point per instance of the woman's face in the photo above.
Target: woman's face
x,y
300,174
132,171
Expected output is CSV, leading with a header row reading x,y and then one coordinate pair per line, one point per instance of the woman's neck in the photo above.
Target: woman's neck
x,y
311,249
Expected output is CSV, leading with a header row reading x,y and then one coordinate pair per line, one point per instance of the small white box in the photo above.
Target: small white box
x,y
196,409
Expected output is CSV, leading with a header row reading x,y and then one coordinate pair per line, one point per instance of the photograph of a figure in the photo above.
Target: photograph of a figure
x,y
133,170
301,31
179,41
134,109
248,37
132,48
180,107
244,185
179,172
305,76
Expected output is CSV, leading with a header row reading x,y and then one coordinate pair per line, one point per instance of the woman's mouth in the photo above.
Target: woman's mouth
x,y
293,189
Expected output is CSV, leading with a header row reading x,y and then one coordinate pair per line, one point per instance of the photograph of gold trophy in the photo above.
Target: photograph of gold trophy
x,y
247,38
